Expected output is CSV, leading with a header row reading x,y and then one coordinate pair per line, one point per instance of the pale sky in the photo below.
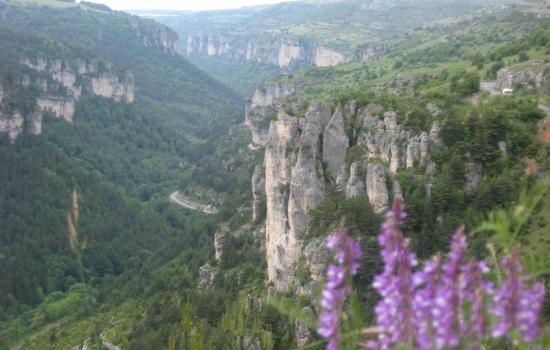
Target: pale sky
x,y
181,4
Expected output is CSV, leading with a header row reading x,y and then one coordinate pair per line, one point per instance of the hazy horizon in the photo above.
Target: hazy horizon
x,y
190,5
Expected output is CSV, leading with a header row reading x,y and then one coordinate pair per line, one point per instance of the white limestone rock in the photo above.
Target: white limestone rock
x,y
377,188
335,143
356,183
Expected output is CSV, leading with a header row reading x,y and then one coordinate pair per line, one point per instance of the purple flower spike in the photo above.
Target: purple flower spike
x,y
426,282
395,284
515,306
447,299
337,287
447,303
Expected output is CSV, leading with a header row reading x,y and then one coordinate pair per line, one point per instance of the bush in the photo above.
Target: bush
x,y
523,57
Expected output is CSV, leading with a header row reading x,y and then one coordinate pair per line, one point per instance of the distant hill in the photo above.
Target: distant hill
x,y
285,37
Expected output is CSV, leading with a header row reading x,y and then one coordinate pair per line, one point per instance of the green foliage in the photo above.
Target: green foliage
x,y
506,225
354,154
465,83
79,299
522,57
418,121
495,67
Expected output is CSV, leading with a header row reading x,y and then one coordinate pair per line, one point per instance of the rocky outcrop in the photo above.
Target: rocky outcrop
x,y
59,106
93,77
61,84
377,187
258,193
282,246
219,241
384,139
298,153
435,132
113,87
342,178
474,173
294,185
356,182
262,108
282,52
207,275
290,51
326,57
287,53
269,94
316,257
155,35
335,143
206,44
530,76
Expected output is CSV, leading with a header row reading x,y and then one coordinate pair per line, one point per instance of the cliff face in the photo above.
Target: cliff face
x,y
60,106
287,53
156,36
258,193
206,44
305,155
262,108
326,57
94,77
531,76
61,83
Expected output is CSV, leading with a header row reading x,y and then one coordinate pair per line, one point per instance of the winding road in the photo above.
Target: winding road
x,y
108,345
178,199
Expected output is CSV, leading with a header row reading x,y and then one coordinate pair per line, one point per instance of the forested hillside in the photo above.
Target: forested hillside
x,y
116,153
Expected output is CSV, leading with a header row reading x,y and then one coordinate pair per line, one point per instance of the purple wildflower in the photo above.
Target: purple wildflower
x,y
338,285
473,290
515,306
446,304
426,281
446,309
394,312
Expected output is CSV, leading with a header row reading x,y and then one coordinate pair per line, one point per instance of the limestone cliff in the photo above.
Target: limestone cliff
x,y
335,142
304,156
56,85
155,36
282,51
327,57
258,193
206,44
282,245
262,108
530,76
60,106
94,77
